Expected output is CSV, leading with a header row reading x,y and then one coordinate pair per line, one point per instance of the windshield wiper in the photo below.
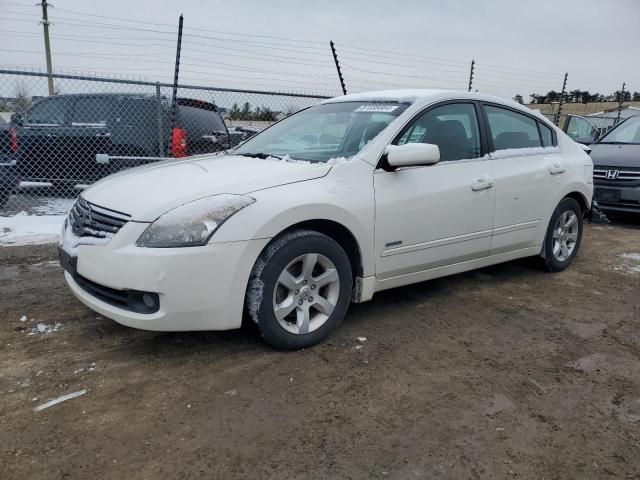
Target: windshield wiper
x,y
261,155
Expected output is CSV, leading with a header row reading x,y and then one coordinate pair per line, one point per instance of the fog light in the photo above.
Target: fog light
x,y
150,301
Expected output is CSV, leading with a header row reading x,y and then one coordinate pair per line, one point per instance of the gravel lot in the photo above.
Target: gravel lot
x,y
508,372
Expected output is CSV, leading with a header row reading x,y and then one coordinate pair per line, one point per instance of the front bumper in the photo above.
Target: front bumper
x,y
199,288
618,198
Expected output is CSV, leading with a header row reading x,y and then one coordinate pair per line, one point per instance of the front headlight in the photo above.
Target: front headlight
x,y
192,224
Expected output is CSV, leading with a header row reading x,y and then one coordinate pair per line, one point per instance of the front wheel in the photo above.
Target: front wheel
x,y
564,235
300,289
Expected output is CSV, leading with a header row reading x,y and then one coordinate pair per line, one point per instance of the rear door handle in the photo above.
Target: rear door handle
x,y
481,184
103,135
556,168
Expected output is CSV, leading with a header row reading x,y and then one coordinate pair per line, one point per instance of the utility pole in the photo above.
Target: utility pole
x,y
335,59
620,102
473,64
174,93
47,45
564,88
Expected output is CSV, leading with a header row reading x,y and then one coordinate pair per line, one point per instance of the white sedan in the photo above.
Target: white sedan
x,y
355,195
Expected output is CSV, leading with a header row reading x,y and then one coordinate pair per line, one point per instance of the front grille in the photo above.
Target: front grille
x,y
605,174
89,220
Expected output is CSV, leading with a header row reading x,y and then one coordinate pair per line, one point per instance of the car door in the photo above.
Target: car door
x,y
431,216
88,136
580,129
527,176
42,139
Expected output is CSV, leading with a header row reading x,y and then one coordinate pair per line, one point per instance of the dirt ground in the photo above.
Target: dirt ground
x,y
508,372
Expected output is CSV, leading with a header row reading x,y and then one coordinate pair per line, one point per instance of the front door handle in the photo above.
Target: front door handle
x,y
556,168
481,184
103,135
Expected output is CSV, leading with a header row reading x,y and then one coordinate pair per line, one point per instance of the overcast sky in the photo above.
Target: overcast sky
x,y
519,46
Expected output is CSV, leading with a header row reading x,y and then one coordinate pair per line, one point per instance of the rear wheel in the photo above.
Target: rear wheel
x,y
300,289
564,235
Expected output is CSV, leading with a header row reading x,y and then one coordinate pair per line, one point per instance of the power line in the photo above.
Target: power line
x,y
192,28
388,52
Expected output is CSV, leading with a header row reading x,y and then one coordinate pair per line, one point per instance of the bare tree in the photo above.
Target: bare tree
x,y
22,97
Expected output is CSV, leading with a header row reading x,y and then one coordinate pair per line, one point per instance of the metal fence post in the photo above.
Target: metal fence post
x,y
335,59
160,122
564,87
620,102
174,93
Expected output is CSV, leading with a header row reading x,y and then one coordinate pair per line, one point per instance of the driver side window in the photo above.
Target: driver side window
x,y
452,127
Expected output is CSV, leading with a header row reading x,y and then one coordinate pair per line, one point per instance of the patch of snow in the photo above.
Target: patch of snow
x,y
522,152
25,229
631,263
61,399
361,339
71,241
45,328
41,224
337,161
23,318
34,184
255,290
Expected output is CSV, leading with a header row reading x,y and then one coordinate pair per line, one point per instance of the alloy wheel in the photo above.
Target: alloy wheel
x,y
306,293
565,235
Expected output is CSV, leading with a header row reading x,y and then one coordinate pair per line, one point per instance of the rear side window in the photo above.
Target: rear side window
x,y
51,111
546,135
511,129
199,121
91,110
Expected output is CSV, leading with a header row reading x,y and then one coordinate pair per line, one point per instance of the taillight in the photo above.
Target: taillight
x,y
15,144
179,143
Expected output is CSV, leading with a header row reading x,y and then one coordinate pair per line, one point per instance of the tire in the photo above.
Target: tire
x,y
300,271
564,234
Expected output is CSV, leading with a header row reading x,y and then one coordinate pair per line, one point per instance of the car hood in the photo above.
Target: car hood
x,y
613,155
147,192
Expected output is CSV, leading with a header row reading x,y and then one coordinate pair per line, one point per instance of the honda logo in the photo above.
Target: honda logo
x,y
612,174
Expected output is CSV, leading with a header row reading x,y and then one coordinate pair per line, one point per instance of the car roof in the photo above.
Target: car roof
x,y
425,96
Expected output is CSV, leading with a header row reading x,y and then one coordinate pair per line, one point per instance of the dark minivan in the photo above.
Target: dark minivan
x,y
616,167
60,136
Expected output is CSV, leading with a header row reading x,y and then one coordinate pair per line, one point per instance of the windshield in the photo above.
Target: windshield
x,y
323,132
626,132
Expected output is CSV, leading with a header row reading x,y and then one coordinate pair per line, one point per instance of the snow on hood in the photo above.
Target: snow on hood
x,y
147,192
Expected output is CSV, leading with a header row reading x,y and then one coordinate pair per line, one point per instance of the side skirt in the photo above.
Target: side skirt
x,y
447,270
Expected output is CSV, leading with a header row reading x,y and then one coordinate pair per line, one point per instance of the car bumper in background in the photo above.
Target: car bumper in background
x,y
197,288
618,198
9,177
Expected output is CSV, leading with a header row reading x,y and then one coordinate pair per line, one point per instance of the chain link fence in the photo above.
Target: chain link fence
x,y
52,147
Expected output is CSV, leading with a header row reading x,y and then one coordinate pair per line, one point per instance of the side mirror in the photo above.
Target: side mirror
x,y
17,119
412,154
585,140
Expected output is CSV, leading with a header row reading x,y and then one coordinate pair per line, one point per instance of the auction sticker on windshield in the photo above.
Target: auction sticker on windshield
x,y
376,108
